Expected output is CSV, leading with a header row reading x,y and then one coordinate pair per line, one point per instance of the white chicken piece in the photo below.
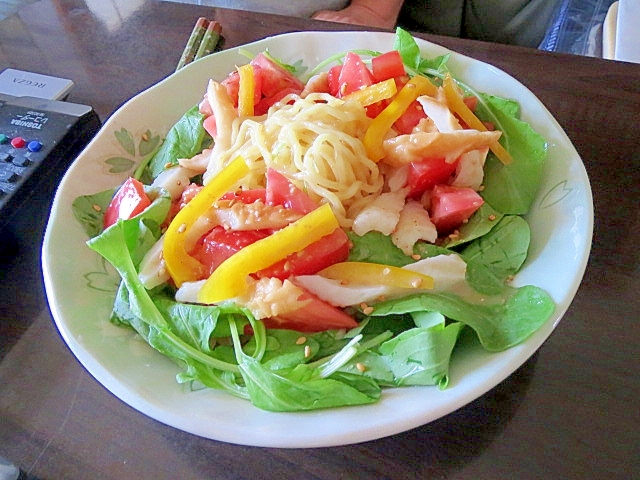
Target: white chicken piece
x,y
440,114
449,274
188,291
317,84
470,169
270,297
253,216
339,295
417,146
396,178
414,224
224,113
174,180
447,271
382,214
153,271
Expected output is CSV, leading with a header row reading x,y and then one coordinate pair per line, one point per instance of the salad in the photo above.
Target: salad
x,y
304,239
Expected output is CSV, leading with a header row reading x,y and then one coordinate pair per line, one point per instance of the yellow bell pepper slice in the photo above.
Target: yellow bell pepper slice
x,y
375,134
181,266
374,93
246,91
369,274
229,280
457,105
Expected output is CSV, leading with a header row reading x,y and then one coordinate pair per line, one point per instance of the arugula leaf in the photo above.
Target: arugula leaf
x,y
301,387
420,356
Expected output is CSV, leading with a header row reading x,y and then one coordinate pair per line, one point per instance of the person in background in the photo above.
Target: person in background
x,y
371,13
518,22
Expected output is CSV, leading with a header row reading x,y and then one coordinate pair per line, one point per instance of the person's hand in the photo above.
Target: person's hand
x,y
356,14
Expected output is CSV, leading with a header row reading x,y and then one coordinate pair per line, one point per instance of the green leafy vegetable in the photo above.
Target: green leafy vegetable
x,y
512,188
404,341
500,323
184,140
498,255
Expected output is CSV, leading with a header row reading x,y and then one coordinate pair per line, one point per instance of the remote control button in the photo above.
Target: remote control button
x,y
18,142
8,176
3,138
6,157
21,161
34,146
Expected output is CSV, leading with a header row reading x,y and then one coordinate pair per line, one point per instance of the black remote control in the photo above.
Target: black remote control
x,y
39,139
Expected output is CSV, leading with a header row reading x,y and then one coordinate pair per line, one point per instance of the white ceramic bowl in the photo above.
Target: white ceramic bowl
x,y
80,287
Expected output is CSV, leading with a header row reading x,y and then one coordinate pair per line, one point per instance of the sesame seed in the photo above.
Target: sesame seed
x,y
301,340
386,271
361,367
145,137
367,310
415,283
492,217
97,207
182,228
416,256
307,351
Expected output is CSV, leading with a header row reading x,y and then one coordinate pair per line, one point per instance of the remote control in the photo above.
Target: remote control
x,y
39,139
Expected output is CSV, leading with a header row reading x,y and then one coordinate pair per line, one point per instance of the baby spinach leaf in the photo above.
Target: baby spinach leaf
x,y
375,247
89,211
478,225
184,140
512,188
494,257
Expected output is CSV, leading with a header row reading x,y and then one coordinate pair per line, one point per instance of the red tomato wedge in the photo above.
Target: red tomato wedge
x,y
354,75
274,77
410,118
316,316
247,196
333,80
280,191
219,244
272,83
209,124
451,206
388,65
427,174
330,249
129,201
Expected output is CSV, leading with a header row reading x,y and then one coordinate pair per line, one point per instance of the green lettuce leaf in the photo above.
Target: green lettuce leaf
x,y
500,323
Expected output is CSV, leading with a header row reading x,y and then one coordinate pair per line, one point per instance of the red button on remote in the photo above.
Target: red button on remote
x,y
18,142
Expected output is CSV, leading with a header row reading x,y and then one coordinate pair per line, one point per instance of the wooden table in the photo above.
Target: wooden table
x,y
571,411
